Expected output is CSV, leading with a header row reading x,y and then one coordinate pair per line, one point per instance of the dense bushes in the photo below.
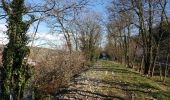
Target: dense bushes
x,y
55,68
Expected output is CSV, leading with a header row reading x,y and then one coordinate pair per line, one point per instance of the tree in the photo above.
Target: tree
x,y
160,33
15,70
89,33
161,36
63,15
147,17
119,26
143,14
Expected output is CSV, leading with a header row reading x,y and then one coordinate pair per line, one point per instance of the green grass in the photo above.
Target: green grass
x,y
129,81
161,95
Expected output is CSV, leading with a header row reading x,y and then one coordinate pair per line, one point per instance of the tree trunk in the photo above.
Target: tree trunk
x,y
142,64
16,71
160,71
146,65
153,68
155,59
166,67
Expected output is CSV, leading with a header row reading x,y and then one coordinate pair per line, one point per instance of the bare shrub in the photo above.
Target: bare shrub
x,y
55,68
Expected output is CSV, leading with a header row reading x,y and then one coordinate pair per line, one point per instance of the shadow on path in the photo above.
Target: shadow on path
x,y
82,87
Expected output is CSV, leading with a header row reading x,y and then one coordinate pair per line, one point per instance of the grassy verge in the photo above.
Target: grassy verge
x,y
125,81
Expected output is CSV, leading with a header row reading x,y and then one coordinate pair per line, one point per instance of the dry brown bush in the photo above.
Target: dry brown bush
x,y
55,68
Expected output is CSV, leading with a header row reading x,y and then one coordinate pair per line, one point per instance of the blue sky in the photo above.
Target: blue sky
x,y
43,34
96,5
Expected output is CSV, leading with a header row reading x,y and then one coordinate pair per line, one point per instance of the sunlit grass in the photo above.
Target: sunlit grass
x,y
125,79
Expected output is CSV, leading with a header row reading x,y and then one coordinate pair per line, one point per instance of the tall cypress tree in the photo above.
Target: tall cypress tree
x,y
15,71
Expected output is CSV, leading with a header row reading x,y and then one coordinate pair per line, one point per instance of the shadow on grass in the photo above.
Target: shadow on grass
x,y
87,94
161,95
142,87
125,71
126,86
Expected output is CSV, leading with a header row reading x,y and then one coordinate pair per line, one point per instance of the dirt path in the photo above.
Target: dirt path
x,y
90,86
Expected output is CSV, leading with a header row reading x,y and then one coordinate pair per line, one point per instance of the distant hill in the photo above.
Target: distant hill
x,y
1,47
35,53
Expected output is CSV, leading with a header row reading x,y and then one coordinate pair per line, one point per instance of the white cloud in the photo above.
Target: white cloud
x,y
47,40
48,37
3,37
2,27
40,38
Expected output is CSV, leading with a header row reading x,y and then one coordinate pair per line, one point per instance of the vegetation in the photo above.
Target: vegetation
x,y
126,79
127,15
110,80
77,42
15,70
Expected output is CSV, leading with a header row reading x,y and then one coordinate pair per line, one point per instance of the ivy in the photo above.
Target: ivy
x,y
16,71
